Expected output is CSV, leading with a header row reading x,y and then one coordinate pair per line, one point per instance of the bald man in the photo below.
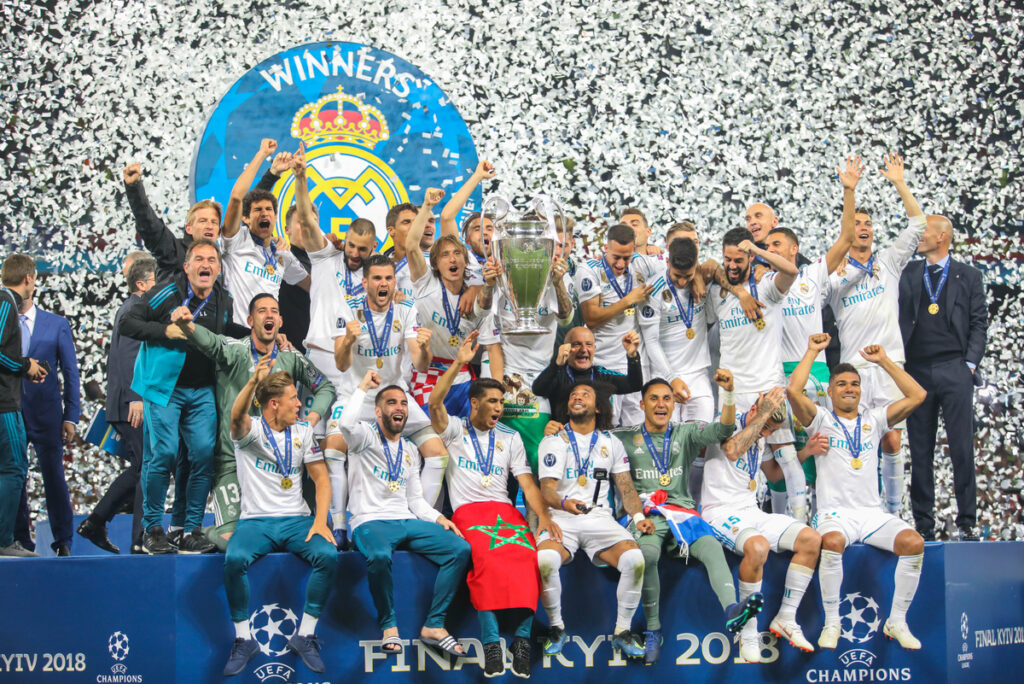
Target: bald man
x,y
943,321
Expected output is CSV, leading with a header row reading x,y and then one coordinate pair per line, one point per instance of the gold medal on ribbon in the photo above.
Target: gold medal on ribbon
x,y
752,485
286,483
630,311
664,480
393,486
486,480
270,269
453,340
380,363
690,333
933,308
857,463
581,480
759,324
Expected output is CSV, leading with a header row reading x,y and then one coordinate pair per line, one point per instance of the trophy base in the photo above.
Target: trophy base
x,y
527,325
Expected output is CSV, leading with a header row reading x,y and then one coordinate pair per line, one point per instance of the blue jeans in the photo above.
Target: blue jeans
x,y
13,471
192,414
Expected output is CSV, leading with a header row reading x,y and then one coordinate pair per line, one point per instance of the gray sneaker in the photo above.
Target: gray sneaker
x,y
16,550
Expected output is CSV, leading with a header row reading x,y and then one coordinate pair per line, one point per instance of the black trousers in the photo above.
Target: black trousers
x,y
950,387
125,486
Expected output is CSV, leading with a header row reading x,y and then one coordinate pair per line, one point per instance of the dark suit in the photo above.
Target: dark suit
x,y
938,348
120,370
46,406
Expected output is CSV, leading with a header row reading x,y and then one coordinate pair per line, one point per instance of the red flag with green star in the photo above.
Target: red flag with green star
x,y
504,573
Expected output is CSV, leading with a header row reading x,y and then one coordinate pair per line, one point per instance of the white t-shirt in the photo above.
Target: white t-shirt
x,y
670,353
368,495
464,475
429,293
403,327
754,356
247,274
527,355
259,476
867,307
727,483
801,310
557,460
839,484
592,281
327,296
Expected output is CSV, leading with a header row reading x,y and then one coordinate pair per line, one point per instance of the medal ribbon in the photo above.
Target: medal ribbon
x,y
256,355
934,296
851,445
394,467
352,289
572,378
284,463
486,464
452,319
753,453
660,462
380,346
269,255
686,314
868,268
615,283
584,468
401,263
202,305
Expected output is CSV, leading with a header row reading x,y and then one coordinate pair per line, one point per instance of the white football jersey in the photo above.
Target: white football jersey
x,y
839,484
429,305
251,269
556,459
801,310
327,296
464,475
670,352
727,483
259,476
364,357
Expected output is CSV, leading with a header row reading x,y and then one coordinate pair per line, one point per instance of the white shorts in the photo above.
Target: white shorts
x,y
877,388
417,424
701,405
744,400
593,532
626,411
869,525
733,527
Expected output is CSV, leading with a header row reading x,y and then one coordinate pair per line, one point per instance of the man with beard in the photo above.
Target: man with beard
x,y
253,263
234,363
174,381
752,349
390,513
485,456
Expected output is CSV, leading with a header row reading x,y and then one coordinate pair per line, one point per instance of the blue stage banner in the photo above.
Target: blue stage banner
x,y
139,619
377,131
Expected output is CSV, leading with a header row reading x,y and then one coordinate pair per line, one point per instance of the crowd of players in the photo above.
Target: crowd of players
x,y
621,434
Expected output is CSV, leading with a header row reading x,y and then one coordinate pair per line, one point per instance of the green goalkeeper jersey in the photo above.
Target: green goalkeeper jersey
x,y
687,441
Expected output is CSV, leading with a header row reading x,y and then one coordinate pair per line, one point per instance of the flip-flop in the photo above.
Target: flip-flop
x,y
447,644
391,641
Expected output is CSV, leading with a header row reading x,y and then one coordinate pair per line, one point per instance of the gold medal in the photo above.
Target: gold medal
x,y
857,463
393,486
690,333
486,480
664,480
380,363
286,483
933,308
453,340
270,269
581,480
759,324
630,311
752,485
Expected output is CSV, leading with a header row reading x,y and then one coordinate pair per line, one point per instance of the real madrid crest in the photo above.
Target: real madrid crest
x,y
297,442
804,288
604,452
408,459
499,446
667,296
397,327
865,428
637,440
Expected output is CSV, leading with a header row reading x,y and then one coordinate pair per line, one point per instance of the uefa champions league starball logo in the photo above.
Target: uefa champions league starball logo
x,y
117,646
272,626
860,617
963,626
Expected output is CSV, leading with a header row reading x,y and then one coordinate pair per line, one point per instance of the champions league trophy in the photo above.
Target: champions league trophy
x,y
524,248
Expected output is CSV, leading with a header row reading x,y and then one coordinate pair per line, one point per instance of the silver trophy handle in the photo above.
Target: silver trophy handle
x,y
548,207
501,207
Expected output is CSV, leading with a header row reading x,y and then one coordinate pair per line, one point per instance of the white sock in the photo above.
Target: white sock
x,y
173,528
796,482
336,469
892,481
550,561
830,577
631,576
308,625
797,579
748,588
242,630
432,476
779,501
908,574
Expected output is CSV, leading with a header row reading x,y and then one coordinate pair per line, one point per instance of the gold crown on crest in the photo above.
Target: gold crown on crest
x,y
338,117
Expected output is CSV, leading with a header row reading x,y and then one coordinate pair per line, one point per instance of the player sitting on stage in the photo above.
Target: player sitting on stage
x,y
662,476
574,464
485,454
272,452
729,504
389,512
849,506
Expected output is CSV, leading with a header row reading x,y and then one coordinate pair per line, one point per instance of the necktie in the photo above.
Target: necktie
x,y
26,335
934,272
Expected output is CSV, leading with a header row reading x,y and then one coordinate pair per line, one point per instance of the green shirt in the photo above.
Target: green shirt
x,y
234,364
687,441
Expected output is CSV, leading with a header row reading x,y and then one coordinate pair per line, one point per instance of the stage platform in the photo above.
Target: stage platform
x,y
164,619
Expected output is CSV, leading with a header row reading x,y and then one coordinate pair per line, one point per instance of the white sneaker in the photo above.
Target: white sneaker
x,y
829,637
791,631
750,644
901,633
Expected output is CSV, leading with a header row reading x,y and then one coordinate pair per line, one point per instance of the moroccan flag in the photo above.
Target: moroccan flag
x,y
504,573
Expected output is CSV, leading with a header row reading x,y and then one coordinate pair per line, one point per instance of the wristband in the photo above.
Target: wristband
x,y
728,398
638,517
562,505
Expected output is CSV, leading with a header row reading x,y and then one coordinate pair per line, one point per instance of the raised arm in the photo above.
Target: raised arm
x,y
345,344
438,413
233,212
240,421
418,266
849,176
803,408
894,172
913,394
565,309
786,270
737,445
484,170
356,434
311,238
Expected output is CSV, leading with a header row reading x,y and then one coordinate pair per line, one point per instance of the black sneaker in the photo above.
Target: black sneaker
x,y
968,534
195,542
155,543
174,537
521,657
494,659
308,648
96,532
241,653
